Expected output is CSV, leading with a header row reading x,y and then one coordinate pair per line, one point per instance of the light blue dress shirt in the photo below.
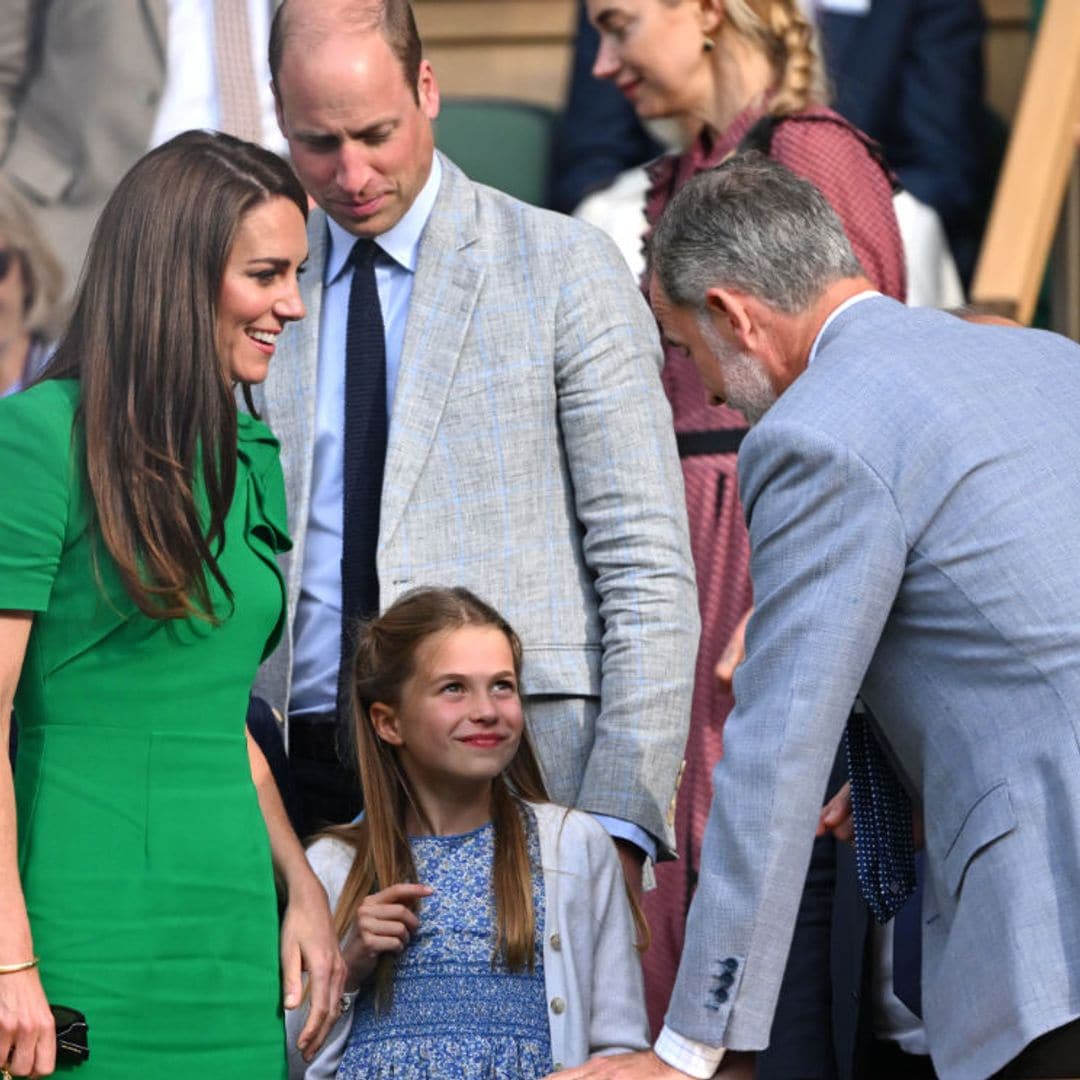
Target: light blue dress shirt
x,y
317,630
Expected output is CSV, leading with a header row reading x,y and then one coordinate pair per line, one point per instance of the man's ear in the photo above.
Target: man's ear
x,y
427,90
732,312
384,721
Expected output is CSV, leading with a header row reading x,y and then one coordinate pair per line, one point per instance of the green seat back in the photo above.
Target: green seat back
x,y
503,143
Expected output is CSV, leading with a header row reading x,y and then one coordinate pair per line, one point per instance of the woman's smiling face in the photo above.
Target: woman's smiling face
x,y
259,291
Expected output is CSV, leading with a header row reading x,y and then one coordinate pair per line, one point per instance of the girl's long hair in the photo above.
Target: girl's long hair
x,y
385,659
156,404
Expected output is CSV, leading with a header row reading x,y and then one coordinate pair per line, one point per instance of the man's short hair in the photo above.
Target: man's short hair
x,y
752,225
393,19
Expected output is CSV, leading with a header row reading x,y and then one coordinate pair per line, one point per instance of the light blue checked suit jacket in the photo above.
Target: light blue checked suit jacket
x,y
914,509
531,458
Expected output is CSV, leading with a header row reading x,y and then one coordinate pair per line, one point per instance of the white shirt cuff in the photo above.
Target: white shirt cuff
x,y
693,1058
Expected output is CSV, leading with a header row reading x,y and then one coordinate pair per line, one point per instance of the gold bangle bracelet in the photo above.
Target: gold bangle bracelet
x,y
26,965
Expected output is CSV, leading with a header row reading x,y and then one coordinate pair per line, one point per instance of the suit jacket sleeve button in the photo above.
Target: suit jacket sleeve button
x,y
558,1006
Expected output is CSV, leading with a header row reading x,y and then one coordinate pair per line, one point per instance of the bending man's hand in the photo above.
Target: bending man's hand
x,y
641,1066
647,1066
308,943
836,816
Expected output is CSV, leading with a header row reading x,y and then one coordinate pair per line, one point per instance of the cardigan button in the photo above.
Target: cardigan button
x,y
556,941
558,1006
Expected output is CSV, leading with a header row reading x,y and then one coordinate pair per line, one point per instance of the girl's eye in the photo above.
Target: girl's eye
x,y
265,277
452,688
505,686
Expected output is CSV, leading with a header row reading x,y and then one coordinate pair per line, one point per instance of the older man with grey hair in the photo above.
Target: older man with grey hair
x,y
914,520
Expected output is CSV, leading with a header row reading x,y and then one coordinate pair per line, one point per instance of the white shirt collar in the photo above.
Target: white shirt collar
x,y
851,301
402,242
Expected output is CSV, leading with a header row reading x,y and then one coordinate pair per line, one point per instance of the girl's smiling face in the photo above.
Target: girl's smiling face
x,y
459,721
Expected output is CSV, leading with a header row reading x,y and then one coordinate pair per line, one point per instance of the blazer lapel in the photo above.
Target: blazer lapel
x,y
444,296
289,391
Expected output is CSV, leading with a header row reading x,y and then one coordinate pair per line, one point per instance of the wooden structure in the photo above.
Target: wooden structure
x,y
1035,179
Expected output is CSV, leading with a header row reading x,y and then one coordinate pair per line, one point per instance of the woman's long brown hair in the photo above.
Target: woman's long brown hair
x,y
385,660
156,404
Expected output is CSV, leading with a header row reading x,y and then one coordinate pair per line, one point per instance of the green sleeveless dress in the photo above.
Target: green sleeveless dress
x,y
142,852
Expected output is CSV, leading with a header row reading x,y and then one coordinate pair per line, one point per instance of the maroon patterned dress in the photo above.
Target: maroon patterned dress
x,y
823,147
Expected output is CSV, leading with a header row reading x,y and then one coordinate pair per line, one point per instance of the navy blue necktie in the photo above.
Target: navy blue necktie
x,y
884,848
364,441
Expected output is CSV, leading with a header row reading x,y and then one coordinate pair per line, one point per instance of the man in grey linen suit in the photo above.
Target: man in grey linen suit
x,y
530,453
81,89
914,511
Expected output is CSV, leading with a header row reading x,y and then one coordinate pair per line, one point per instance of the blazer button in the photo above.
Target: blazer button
x,y
558,1006
559,1066
555,941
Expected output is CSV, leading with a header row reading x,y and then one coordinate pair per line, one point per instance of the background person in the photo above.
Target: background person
x,y
732,68
909,73
30,284
139,589
84,94
462,873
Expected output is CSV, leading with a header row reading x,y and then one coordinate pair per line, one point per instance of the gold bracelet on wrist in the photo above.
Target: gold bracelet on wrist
x,y
26,965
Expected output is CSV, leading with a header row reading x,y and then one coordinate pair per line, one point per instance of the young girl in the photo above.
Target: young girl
x,y
487,932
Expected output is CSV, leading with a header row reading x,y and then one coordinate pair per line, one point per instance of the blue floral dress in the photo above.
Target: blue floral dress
x,y
455,1015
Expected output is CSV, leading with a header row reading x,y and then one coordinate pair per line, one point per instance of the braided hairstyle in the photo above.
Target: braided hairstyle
x,y
781,29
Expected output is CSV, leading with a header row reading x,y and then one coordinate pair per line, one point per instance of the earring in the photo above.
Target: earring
x,y
708,45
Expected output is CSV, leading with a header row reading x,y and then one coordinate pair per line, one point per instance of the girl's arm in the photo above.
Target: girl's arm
x,y
23,1007
308,942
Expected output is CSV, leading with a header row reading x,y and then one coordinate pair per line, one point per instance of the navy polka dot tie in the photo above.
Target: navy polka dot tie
x,y
884,848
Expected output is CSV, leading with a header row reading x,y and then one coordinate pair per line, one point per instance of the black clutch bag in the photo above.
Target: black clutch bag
x,y
72,1032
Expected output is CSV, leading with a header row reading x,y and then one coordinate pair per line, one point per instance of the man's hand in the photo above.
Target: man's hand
x,y
641,1066
632,859
836,816
647,1066
733,655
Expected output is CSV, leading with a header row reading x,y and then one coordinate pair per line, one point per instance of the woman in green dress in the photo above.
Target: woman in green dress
x,y
139,590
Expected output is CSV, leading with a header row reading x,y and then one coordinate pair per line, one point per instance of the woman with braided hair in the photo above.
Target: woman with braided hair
x,y
740,74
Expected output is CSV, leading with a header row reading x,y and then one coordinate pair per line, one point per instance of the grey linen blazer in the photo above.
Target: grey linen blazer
x,y
530,458
914,515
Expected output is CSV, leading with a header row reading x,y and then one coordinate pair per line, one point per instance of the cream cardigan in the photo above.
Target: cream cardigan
x,y
592,971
